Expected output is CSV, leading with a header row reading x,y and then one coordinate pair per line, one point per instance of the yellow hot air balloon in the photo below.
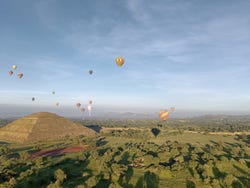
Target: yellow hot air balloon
x,y
119,61
164,114
14,66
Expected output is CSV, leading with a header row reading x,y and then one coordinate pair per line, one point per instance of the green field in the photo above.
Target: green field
x,y
134,157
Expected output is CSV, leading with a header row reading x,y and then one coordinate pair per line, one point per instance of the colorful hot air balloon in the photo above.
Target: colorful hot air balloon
x,y
10,73
20,75
78,105
90,71
14,67
164,114
119,61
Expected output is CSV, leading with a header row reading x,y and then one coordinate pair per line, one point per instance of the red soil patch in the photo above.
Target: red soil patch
x,y
57,151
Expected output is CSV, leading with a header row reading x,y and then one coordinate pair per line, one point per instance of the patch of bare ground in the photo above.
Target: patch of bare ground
x,y
59,151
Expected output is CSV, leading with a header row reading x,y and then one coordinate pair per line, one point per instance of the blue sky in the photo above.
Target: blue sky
x,y
194,55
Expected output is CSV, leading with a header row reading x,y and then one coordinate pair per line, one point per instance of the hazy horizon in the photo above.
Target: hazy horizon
x,y
194,55
17,111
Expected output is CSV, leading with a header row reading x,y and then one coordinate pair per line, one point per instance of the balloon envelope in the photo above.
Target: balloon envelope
x,y
172,108
78,105
33,98
83,109
57,104
164,115
90,102
20,75
90,72
119,61
53,92
14,66
10,73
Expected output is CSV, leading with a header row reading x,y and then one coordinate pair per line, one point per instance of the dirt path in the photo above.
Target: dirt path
x,y
57,151
220,133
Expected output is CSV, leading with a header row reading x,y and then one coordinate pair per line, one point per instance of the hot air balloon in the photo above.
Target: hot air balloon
x,y
33,99
20,75
90,71
78,105
155,131
119,61
83,109
10,73
164,114
172,108
53,92
89,109
90,102
14,67
57,104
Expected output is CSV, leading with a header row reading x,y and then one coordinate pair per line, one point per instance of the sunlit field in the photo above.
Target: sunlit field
x,y
125,154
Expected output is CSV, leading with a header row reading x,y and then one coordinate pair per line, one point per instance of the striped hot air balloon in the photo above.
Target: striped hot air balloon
x,y
164,114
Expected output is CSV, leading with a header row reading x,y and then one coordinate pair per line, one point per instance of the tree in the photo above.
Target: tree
x,y
60,176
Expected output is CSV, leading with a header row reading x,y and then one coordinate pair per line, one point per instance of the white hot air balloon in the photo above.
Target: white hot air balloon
x,y
89,109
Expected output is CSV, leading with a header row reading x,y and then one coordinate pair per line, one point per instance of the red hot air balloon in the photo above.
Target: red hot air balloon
x,y
78,105
10,73
20,75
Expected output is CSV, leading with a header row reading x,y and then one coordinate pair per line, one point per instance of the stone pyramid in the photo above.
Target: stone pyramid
x,y
42,126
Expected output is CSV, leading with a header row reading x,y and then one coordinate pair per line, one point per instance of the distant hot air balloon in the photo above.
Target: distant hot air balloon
x,y
14,66
20,75
119,61
33,99
53,92
10,73
78,105
90,102
57,104
90,71
172,108
89,109
164,114
83,109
